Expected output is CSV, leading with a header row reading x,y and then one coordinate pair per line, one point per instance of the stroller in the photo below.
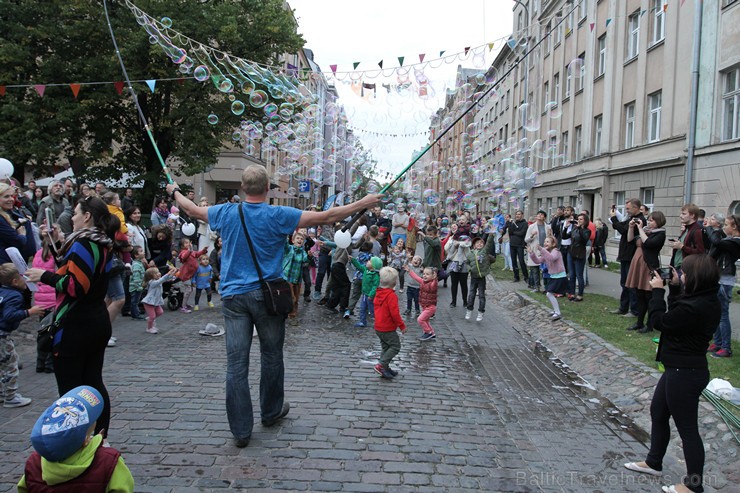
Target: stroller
x,y
171,292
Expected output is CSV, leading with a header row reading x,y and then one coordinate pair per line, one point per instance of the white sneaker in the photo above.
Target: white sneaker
x,y
468,314
153,330
638,467
112,342
114,338
479,317
17,401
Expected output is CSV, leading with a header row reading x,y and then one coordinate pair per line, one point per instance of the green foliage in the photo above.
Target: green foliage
x,y
100,132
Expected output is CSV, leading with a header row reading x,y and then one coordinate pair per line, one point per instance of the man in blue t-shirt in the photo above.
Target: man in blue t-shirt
x,y
242,299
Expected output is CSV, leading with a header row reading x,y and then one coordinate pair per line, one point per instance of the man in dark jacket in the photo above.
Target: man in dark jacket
x,y
556,222
517,230
627,249
691,241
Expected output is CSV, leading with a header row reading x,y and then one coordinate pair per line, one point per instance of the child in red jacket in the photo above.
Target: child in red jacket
x,y
189,260
427,298
387,320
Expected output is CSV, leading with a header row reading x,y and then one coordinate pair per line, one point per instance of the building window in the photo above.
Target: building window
x,y
580,67
556,84
654,106
598,124
633,35
520,23
602,55
546,93
658,20
539,204
578,140
549,206
731,105
548,32
629,125
647,195
560,202
508,96
582,10
558,34
568,78
619,203
566,150
552,149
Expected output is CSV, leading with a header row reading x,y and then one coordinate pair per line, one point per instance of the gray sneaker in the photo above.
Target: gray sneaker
x,y
426,336
17,401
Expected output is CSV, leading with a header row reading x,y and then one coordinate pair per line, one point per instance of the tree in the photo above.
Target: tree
x,y
100,132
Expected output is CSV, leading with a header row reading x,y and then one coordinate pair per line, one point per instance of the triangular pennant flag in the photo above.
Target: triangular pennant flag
x,y
75,89
643,12
608,21
40,88
592,25
355,65
467,49
2,90
511,43
421,57
400,61
380,64
333,69
682,2
490,46
151,83
180,82
119,87
442,52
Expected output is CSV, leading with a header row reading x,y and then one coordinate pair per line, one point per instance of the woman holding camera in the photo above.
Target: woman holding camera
x,y
645,261
686,328
579,235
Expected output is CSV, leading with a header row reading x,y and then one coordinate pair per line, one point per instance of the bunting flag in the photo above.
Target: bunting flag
x,y
2,90
355,65
333,69
442,52
643,12
490,46
75,89
511,43
608,21
400,61
119,87
467,49
380,64
40,88
421,57
592,25
151,83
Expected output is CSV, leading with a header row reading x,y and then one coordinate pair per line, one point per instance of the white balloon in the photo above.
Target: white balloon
x,y
6,168
188,229
342,238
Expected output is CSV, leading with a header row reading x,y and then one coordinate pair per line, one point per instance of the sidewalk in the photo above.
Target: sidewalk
x,y
606,283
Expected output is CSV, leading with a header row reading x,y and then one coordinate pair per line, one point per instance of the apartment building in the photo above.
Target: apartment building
x,y
611,81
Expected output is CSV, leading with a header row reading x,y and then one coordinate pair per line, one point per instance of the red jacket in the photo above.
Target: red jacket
x,y
387,315
427,290
189,261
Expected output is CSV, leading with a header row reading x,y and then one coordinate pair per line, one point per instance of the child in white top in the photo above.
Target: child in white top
x,y
153,301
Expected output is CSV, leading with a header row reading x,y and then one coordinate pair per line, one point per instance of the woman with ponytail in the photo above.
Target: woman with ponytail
x,y
81,283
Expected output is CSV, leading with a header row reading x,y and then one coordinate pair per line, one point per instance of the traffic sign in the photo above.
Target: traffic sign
x,y
304,186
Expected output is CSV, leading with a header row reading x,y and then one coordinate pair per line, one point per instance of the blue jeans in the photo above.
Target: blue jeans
x,y
628,298
135,300
412,296
723,334
324,263
366,306
575,271
241,312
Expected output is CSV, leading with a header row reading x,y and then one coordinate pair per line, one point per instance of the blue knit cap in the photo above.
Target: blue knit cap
x,y
61,430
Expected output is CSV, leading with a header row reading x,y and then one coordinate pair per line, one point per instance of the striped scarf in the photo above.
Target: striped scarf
x,y
93,234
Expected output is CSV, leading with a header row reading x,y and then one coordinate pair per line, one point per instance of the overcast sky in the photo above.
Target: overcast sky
x,y
344,31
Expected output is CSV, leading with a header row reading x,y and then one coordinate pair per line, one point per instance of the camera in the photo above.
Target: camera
x,y
665,273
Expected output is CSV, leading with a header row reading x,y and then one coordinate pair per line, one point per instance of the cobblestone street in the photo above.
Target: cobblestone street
x,y
481,408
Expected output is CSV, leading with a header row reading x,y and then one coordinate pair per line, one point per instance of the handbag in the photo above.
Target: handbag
x,y
45,335
117,266
277,293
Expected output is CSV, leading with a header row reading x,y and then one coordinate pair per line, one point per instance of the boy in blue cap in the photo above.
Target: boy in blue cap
x,y
66,452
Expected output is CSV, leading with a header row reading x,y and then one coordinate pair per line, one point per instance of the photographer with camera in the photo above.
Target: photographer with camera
x,y
686,328
646,261
627,249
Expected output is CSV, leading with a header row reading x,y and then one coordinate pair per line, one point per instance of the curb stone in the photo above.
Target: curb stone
x,y
626,382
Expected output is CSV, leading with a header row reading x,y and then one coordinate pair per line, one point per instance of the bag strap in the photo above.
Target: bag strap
x,y
251,247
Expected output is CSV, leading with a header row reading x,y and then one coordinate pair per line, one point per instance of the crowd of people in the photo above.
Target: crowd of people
x,y
94,259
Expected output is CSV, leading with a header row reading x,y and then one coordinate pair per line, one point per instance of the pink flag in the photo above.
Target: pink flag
x,y
40,88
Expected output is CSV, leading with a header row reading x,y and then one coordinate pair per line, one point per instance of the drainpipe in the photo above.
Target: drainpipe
x,y
693,104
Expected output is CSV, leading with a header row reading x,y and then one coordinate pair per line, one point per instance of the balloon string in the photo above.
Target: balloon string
x,y
133,95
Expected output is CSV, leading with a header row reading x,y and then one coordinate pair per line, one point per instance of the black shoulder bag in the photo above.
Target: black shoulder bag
x,y
278,297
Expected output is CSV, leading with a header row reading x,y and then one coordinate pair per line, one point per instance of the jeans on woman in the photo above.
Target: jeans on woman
x,y
507,254
242,312
575,271
723,334
677,395
459,279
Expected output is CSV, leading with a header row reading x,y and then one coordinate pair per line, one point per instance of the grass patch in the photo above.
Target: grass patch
x,y
593,315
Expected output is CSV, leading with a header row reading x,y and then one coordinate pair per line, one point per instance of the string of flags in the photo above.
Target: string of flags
x,y
76,86
592,25
386,134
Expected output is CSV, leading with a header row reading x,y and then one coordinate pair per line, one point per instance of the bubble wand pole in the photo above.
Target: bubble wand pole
x,y
133,96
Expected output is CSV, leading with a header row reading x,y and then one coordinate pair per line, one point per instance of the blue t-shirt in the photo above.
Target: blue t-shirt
x,y
202,278
268,227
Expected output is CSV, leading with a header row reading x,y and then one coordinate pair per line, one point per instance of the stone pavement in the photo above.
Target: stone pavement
x,y
484,407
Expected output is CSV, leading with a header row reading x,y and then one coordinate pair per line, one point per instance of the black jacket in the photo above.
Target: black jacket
x,y
686,328
517,231
626,248
651,249
602,234
726,252
579,237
